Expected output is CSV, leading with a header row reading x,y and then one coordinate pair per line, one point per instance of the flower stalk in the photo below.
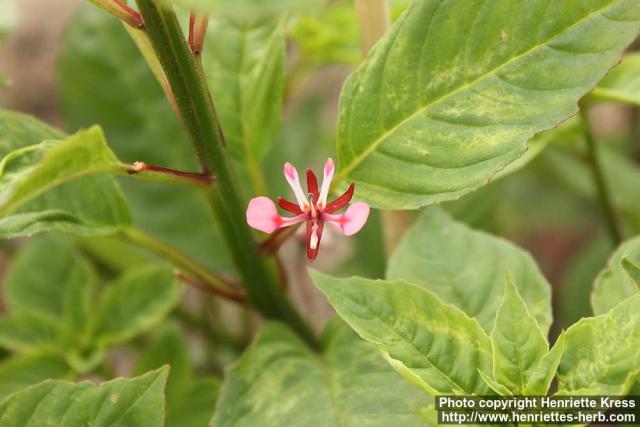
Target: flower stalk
x,y
193,99
604,197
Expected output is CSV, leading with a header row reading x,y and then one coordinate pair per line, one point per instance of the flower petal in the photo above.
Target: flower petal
x,y
312,185
289,206
263,215
341,201
291,174
352,220
329,169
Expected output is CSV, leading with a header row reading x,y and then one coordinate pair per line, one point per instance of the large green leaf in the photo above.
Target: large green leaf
x,y
417,332
17,372
279,381
137,301
466,268
244,63
602,355
452,93
613,285
122,402
622,84
86,205
517,341
104,79
190,400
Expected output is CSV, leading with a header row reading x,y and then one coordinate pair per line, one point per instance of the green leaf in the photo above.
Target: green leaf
x,y
622,84
27,332
454,90
518,343
613,285
104,79
602,355
124,402
33,182
466,268
50,280
244,62
21,371
633,270
494,385
190,401
279,381
137,301
542,375
415,330
31,171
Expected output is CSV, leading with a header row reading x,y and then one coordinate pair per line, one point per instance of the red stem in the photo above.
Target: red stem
x,y
136,17
201,177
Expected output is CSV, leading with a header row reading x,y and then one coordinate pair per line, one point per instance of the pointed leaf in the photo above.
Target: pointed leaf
x,y
454,90
518,343
466,268
20,371
602,355
622,84
45,187
494,385
244,62
136,402
415,330
613,285
279,382
134,303
541,377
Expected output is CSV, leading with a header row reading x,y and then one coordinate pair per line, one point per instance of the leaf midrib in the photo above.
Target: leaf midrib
x,y
374,145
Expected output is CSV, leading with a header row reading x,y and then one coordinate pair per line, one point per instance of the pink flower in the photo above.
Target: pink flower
x,y
311,207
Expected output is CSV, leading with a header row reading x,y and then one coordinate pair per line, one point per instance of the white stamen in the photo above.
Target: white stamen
x,y
329,168
291,174
313,241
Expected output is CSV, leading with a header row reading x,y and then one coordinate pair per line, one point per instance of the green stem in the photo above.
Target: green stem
x,y
221,285
193,99
604,196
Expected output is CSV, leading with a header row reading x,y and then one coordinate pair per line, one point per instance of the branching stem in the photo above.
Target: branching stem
x,y
193,99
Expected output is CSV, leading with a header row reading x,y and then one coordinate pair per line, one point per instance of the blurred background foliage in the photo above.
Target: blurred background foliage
x,y
73,66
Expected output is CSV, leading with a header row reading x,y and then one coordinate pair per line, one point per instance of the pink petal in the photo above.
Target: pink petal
x,y
352,220
263,215
291,174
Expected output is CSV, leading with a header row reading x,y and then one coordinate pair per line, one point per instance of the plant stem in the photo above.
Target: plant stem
x,y
374,17
259,274
222,285
604,196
